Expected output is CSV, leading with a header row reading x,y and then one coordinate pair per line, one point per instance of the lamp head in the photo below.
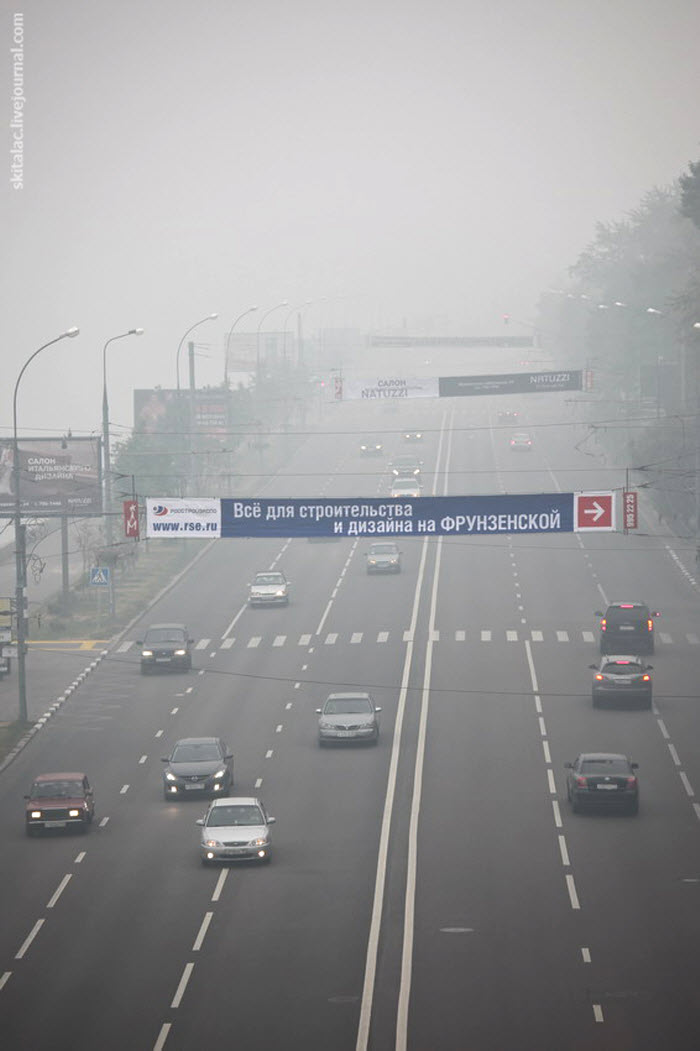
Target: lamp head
x,y
71,332
135,332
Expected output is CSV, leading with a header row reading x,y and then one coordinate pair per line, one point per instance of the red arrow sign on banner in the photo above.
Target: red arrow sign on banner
x,y
594,511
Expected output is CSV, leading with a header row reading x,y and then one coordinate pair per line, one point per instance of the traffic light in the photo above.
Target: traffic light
x,y
506,319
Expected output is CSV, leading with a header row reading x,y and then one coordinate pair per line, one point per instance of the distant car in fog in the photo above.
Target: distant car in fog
x,y
165,646
521,441
508,415
197,766
384,557
627,627
235,828
621,678
401,466
413,436
269,589
371,447
59,801
348,717
405,487
602,780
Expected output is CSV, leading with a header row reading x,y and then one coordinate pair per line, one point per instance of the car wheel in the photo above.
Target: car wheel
x,y
575,805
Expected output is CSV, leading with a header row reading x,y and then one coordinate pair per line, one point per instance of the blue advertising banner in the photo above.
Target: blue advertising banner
x,y
386,517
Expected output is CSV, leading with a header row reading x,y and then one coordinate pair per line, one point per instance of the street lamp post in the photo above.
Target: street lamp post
x,y
228,341
284,303
106,459
20,537
306,303
209,317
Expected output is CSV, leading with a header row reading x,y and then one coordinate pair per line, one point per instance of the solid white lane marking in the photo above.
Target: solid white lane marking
x,y
143,759
551,783
598,1012
278,728
356,637
59,891
664,637
512,636
304,667
485,636
543,728
664,731
228,643
189,689
288,705
297,685
331,638
545,749
4,979
103,822
254,642
322,621
686,783
382,636
304,640
162,1036
586,953
334,592
79,857
674,754
268,753
202,931
563,851
180,992
279,640
123,790
240,613
220,884
460,636
588,636
573,896
29,939
125,646
557,813
258,782
536,636
158,733
202,644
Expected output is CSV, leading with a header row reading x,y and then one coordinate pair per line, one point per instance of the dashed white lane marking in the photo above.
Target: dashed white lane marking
x,y
4,979
79,857
573,896
158,733
268,753
512,636
258,782
597,1012
278,728
162,1036
543,728
220,884
460,636
547,753
551,783
143,759
103,822
538,705
304,640
189,689
174,711
59,891
297,685
254,642
180,992
557,814
674,754
356,637
686,783
562,636
279,640
288,705
586,954
588,636
29,939
202,931
537,636
664,732
382,636
696,808
331,638
123,790
124,647
693,640
228,643
202,644
564,852
665,637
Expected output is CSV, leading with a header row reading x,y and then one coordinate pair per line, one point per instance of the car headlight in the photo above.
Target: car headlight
x,y
35,814
372,561
262,841
211,843
325,725
280,593
220,773
146,653
73,813
180,653
170,777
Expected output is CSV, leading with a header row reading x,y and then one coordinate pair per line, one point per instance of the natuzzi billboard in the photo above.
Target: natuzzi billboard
x,y
57,476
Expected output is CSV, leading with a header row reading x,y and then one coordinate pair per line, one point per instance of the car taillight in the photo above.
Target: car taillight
x,y
646,678
650,625
603,624
631,781
581,781
599,677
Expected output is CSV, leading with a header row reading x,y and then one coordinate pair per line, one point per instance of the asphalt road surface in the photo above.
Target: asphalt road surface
x,y
432,893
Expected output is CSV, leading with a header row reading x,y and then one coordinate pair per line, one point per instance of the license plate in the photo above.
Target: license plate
x,y
54,824
193,788
344,733
162,660
607,788
627,627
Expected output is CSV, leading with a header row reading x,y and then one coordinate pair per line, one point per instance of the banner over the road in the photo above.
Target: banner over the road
x,y
381,388
511,383
381,516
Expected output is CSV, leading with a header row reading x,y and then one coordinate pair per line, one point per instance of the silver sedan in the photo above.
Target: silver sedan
x,y
348,717
236,828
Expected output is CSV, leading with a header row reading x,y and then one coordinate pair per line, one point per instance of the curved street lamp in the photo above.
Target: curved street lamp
x,y
106,459
284,303
209,317
228,341
20,536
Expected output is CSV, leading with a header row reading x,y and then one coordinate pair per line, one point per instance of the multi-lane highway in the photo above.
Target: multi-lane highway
x,y
434,893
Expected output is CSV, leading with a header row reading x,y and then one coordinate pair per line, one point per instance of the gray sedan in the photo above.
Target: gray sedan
x,y
348,717
235,829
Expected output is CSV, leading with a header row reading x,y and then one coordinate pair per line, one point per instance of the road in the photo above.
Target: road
x,y
434,892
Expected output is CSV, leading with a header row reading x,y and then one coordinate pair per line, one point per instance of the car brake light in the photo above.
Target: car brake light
x,y
599,677
603,624
646,678
631,781
622,662
582,781
626,605
650,625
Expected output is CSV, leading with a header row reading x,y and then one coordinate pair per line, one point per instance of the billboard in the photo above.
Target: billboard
x,y
152,408
57,476
511,383
382,388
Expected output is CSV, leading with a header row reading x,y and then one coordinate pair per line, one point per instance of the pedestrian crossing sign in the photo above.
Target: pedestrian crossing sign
x,y
99,576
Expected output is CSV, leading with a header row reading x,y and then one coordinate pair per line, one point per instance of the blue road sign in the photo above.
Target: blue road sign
x,y
100,576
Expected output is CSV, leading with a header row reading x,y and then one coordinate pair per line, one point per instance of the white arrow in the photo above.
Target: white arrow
x,y
597,510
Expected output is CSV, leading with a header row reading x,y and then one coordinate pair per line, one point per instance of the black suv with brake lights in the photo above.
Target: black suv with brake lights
x,y
627,627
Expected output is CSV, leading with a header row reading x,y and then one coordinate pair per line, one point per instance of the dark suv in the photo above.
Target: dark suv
x,y
627,627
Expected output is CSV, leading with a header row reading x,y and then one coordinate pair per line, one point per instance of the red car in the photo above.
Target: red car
x,y
60,801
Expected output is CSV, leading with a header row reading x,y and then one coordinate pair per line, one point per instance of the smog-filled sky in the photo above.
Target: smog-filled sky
x,y
427,164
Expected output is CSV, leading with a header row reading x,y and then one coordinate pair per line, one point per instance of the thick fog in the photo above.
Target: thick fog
x,y
427,164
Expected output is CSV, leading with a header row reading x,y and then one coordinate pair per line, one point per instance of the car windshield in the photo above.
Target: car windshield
x,y
611,765
625,616
268,578
164,635
235,815
347,706
195,752
53,789
383,549
622,668
404,487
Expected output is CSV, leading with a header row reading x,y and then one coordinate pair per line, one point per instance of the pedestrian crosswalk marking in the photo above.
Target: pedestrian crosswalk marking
x,y
226,644
485,636
588,636
693,639
537,636
331,638
304,640
254,642
382,636
562,636
202,644
356,637
125,646
279,640
408,636
664,637
512,636
460,636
